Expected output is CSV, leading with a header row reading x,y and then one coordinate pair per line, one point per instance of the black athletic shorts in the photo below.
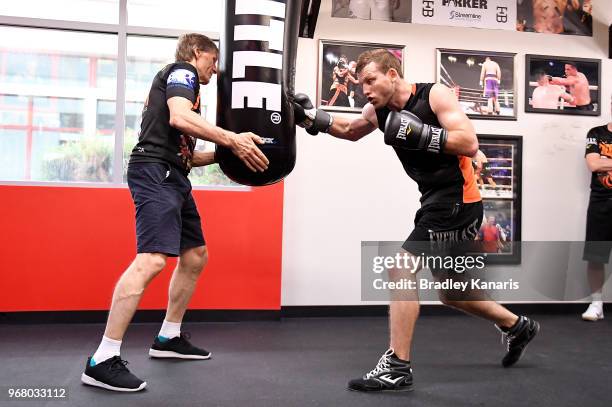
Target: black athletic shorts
x,y
598,231
440,226
167,219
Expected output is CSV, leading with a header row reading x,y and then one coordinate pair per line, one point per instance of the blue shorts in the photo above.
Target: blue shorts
x,y
167,219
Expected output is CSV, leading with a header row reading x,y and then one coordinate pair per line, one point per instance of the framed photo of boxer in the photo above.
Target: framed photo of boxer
x,y
562,85
338,88
483,81
497,169
398,11
570,17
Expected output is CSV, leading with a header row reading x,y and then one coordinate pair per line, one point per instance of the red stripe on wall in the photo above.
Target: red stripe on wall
x,y
64,249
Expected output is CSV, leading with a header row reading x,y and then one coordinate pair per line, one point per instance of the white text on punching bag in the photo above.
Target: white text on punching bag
x,y
257,92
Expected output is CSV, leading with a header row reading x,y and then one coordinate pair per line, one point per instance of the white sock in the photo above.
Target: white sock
x,y
596,298
107,349
170,330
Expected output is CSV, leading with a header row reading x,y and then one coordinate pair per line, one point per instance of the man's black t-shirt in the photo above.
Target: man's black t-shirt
x,y
440,177
158,141
599,140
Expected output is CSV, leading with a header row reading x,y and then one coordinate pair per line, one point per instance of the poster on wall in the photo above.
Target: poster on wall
x,y
573,17
381,10
562,85
483,82
492,14
338,87
497,168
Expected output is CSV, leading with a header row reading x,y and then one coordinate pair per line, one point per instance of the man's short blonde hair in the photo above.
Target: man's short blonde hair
x,y
384,59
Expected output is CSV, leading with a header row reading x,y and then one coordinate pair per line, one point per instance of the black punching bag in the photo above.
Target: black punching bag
x,y
255,82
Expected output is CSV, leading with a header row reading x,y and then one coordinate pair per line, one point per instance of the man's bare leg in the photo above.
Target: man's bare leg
x,y
596,277
169,342
403,313
487,309
184,280
128,292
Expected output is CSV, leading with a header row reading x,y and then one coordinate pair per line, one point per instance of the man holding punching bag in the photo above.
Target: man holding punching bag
x,y
167,219
434,141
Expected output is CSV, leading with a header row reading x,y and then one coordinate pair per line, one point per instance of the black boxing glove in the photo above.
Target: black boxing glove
x,y
313,120
405,130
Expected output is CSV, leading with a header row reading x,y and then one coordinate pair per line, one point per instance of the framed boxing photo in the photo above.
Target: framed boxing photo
x,y
398,11
483,81
338,88
497,168
562,85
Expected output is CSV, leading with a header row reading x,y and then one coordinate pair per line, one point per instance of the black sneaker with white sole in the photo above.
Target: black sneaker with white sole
x,y
111,374
177,347
390,374
517,338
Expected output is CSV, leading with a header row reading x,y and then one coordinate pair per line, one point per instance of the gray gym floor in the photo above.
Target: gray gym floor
x,y
307,362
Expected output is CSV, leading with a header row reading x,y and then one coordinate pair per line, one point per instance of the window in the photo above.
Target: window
x,y
48,105
59,84
96,11
203,16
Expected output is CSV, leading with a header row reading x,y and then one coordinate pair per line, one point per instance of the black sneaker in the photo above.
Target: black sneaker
x,y
111,375
390,374
177,347
517,338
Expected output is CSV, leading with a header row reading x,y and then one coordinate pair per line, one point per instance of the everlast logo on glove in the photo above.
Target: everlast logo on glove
x,y
404,129
256,93
434,143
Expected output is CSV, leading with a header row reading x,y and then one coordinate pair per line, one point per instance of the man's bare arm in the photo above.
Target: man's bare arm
x,y
354,130
351,130
462,138
567,97
189,122
596,163
563,81
202,158
242,145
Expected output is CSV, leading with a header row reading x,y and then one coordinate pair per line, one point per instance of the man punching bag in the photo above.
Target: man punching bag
x,y
255,83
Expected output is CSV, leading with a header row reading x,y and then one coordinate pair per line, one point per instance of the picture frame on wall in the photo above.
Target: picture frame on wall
x,y
483,81
337,87
398,11
573,17
562,85
498,171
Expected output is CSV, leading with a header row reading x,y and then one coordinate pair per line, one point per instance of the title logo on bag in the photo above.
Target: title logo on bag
x,y
256,94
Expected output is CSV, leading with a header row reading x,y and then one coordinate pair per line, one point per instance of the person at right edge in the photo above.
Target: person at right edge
x,y
598,239
434,140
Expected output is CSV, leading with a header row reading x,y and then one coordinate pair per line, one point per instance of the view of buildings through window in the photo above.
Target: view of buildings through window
x,y
58,100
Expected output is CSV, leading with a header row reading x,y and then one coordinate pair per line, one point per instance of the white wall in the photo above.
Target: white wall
x,y
341,193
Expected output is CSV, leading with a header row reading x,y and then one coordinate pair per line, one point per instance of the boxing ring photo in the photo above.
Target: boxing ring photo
x,y
483,82
562,85
338,86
